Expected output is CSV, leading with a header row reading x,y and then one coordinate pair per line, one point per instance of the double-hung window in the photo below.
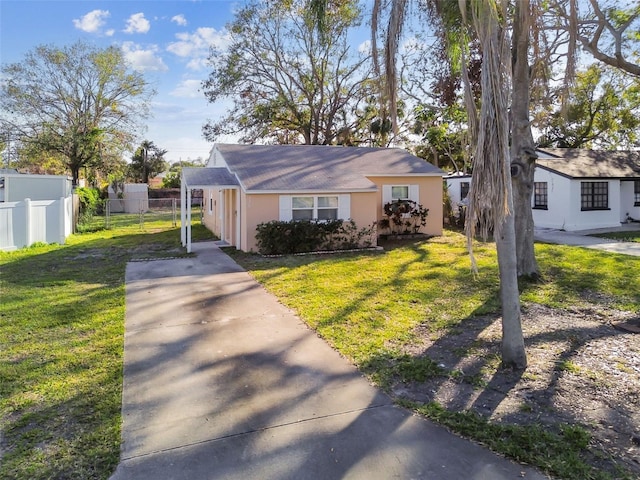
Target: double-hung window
x,y
312,207
540,195
636,193
594,195
400,192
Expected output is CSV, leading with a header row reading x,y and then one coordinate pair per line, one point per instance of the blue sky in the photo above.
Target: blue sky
x,y
168,40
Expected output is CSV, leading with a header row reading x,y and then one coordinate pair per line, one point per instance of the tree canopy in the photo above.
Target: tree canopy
x,y
291,81
601,112
78,101
147,162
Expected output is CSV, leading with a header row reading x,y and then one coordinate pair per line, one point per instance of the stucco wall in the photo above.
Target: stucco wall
x,y
564,205
627,206
430,193
259,208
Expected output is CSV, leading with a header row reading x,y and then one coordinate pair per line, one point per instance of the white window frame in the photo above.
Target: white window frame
x,y
387,196
343,209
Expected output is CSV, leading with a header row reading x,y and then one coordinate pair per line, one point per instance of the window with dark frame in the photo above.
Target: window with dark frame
x,y
636,193
540,195
594,195
464,190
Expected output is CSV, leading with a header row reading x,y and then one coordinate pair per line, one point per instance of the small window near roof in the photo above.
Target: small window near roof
x,y
540,195
400,192
636,193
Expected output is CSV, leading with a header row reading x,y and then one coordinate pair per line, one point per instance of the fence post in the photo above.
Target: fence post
x,y
63,214
27,221
173,211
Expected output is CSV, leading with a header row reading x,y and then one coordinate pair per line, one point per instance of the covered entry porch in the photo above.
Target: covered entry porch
x,y
221,203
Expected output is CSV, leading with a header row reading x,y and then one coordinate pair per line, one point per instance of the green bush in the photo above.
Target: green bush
x,y
404,217
298,236
90,203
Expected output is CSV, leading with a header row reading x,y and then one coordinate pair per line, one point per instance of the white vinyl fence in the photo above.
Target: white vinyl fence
x,y
24,223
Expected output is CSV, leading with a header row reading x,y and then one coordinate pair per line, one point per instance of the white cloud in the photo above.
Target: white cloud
x,y
137,24
110,32
180,20
188,89
365,47
92,21
143,60
195,46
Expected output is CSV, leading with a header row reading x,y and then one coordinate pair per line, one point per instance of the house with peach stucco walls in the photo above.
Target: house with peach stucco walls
x,y
245,185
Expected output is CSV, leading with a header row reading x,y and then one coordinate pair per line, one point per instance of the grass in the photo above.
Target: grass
x,y
62,325
621,236
366,305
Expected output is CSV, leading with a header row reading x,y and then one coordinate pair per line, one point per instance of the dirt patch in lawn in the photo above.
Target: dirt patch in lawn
x,y
584,368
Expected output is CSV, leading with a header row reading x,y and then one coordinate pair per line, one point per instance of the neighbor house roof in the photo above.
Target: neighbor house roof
x,y
279,168
583,163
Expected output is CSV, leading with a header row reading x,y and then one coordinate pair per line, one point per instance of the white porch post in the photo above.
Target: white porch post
x,y
183,216
188,220
238,219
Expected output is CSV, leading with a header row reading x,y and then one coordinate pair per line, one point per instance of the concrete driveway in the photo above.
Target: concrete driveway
x,y
221,381
585,238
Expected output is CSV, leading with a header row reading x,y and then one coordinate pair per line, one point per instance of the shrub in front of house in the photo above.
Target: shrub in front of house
x,y
403,217
300,236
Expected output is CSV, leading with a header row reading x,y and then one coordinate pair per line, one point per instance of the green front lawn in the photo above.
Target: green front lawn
x,y
61,347
62,323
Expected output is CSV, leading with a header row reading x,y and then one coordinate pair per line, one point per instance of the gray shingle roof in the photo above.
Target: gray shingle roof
x,y
583,163
318,167
202,177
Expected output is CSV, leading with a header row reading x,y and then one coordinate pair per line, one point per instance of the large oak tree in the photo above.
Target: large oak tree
x,y
291,81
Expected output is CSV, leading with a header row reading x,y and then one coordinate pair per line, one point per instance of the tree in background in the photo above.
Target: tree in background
x,y
172,178
80,102
602,111
292,82
147,162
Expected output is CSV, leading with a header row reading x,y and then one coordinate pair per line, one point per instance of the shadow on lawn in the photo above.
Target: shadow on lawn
x,y
460,370
61,324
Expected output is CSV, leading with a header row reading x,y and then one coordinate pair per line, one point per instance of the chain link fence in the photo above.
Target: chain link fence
x,y
144,212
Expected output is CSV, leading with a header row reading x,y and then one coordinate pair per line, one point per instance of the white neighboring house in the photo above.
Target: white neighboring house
x,y
34,208
577,189
458,185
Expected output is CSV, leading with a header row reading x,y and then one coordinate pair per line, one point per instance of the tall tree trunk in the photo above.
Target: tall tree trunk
x,y
491,195
522,147
513,352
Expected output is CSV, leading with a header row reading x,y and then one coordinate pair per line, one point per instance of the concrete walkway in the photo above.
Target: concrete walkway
x,y
223,382
584,238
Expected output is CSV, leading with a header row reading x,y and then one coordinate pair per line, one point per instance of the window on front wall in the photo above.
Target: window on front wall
x,y
540,195
311,208
400,192
636,193
464,190
594,195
